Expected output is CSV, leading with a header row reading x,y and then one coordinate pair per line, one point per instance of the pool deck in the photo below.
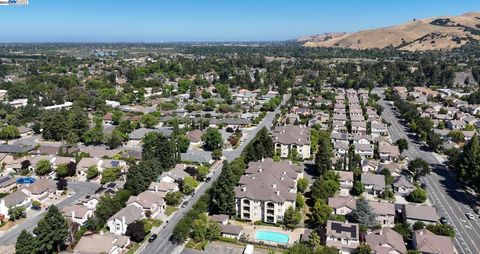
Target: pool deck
x,y
250,230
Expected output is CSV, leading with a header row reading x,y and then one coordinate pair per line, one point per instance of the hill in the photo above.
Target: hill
x,y
440,33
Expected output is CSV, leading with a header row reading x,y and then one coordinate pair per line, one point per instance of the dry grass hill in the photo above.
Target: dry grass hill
x,y
440,33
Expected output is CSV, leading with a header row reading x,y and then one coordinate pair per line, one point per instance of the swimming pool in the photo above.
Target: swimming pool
x,y
271,236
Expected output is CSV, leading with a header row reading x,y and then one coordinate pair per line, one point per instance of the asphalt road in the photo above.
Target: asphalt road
x,y
163,245
81,189
449,199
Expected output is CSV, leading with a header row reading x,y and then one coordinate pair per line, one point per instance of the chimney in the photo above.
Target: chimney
x,y
380,232
274,186
284,172
263,159
260,170
156,188
282,178
244,188
253,177
101,232
289,162
278,193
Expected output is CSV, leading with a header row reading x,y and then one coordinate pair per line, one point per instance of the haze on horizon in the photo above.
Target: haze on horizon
x,y
209,20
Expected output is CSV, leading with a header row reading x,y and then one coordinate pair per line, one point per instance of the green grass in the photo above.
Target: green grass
x,y
156,222
170,210
134,248
197,246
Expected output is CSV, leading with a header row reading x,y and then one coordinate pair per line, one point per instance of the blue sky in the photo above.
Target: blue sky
x,y
208,20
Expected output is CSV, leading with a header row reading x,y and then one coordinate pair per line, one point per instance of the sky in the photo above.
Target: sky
x,y
208,20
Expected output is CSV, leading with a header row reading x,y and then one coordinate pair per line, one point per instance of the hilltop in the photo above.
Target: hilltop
x,y
439,33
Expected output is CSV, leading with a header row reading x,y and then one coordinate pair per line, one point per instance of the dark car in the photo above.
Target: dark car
x,y
443,220
184,204
208,179
152,238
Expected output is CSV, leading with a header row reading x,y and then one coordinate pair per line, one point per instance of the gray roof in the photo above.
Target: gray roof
x,y
423,213
140,133
269,181
131,213
4,148
197,156
234,121
378,181
15,198
292,134
6,181
231,229
402,182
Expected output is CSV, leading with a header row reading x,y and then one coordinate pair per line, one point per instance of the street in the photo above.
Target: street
x,y
81,189
162,244
447,197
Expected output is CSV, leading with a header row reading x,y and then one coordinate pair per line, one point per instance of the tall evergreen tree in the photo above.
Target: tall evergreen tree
x,y
160,149
26,243
364,214
469,163
223,196
323,159
51,231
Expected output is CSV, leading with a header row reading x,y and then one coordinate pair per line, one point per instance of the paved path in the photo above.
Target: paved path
x,y
162,245
81,189
448,198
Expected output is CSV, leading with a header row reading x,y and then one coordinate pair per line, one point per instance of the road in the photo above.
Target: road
x,y
447,196
162,245
81,189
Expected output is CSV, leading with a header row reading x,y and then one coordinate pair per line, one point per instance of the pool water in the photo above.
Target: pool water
x,y
271,236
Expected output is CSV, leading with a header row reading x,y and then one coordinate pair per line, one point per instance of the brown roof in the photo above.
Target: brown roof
x,y
385,147
339,202
146,199
100,243
41,186
386,240
345,175
79,211
292,134
428,242
195,135
382,208
423,212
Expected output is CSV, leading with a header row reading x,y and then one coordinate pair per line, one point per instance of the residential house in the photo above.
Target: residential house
x,y
387,151
342,235
197,156
15,199
369,165
195,137
384,213
402,186
386,241
374,184
77,213
427,242
41,189
150,203
7,183
175,174
118,222
162,188
290,139
342,205
364,150
456,124
378,128
346,179
266,190
359,128
102,243
423,213
340,148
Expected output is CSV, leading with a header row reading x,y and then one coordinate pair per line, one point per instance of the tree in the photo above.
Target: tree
x,y
434,140
213,231
202,172
418,167
9,132
404,230
94,135
115,139
199,228
325,186
149,120
320,213
314,239
188,185
183,143
323,159
364,248
110,175
302,185
43,168
217,154
292,217
441,229
26,243
62,170
16,212
402,144
92,172
159,151
212,139
223,195
457,136
62,184
173,198
364,214
51,231
418,225
418,195
136,231
468,164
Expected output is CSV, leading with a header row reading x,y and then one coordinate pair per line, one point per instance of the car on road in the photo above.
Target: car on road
x,y
470,216
208,179
443,220
152,238
71,194
184,204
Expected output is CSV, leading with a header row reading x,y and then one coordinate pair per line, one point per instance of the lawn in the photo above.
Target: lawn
x,y
197,246
170,210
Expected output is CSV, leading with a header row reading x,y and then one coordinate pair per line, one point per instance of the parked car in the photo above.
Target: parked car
x,y
443,220
184,204
470,216
152,238
208,179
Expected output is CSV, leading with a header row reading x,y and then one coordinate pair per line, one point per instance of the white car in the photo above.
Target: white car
x,y
470,216
71,194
